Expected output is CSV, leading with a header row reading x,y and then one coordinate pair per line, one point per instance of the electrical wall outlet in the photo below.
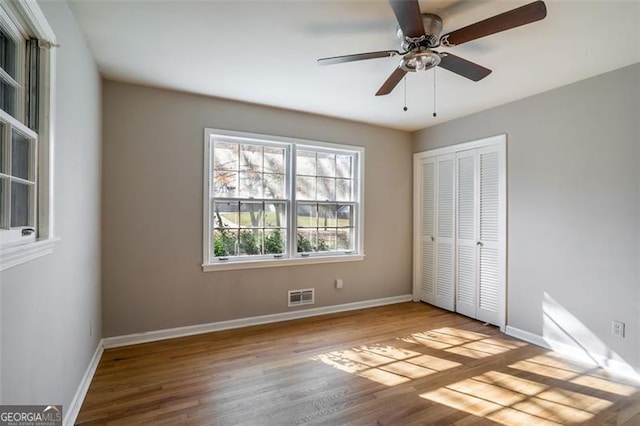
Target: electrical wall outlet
x,y
338,282
617,328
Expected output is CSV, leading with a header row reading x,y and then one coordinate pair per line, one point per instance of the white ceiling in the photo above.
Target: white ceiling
x,y
265,52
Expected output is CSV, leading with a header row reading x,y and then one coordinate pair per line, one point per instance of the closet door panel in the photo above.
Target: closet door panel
x,y
427,226
445,228
491,291
466,231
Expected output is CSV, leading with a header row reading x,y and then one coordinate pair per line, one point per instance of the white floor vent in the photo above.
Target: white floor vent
x,y
302,297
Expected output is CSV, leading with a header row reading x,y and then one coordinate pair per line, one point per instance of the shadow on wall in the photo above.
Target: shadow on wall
x,y
563,332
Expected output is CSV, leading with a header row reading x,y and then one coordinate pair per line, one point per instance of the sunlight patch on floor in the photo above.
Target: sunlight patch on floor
x,y
511,400
477,350
391,365
462,342
544,370
560,396
385,364
434,363
604,385
548,390
564,372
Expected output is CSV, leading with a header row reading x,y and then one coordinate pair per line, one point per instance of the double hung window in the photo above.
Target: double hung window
x,y
325,200
271,201
26,198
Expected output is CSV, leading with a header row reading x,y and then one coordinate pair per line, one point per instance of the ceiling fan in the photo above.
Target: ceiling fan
x,y
420,33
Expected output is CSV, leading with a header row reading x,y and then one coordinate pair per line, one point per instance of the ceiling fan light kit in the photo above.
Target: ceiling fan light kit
x,y
420,61
419,34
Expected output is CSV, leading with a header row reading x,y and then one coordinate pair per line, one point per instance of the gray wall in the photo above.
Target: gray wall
x,y
152,213
48,304
574,207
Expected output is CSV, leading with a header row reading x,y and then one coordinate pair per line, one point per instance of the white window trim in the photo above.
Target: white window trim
x,y
29,14
294,258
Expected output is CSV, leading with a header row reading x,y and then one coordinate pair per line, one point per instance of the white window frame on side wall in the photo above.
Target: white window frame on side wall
x,y
24,20
291,256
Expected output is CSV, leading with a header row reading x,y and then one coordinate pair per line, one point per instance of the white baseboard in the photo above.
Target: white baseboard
x,y
526,336
71,413
613,365
171,333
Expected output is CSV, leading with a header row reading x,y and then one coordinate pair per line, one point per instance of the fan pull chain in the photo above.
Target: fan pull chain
x,y
405,94
434,91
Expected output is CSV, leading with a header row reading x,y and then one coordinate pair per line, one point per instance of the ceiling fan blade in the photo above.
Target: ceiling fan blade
x,y
526,14
463,67
409,17
357,57
391,82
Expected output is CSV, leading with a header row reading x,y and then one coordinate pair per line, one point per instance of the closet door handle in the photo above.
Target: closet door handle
x,y
433,238
479,244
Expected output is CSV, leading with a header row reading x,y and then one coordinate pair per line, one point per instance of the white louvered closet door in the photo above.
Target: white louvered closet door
x,y
445,228
491,242
460,220
427,227
466,233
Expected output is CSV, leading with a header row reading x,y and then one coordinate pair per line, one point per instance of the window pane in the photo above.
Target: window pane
x,y
274,186
226,214
344,166
250,242
240,231
250,185
345,215
251,158
251,215
326,164
20,204
4,202
225,184
275,215
306,188
7,98
225,156
344,240
326,189
307,215
274,159
306,240
274,241
20,155
306,163
343,190
7,54
326,216
225,242
326,240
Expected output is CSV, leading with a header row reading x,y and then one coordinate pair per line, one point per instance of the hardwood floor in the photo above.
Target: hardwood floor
x,y
403,364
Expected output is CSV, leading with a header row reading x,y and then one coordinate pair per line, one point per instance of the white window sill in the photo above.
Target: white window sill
x,y
268,263
18,254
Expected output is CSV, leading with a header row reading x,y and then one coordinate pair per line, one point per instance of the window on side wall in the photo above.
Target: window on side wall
x,y
26,198
274,201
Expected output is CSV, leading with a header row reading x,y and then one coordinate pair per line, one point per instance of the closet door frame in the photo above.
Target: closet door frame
x,y
499,142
